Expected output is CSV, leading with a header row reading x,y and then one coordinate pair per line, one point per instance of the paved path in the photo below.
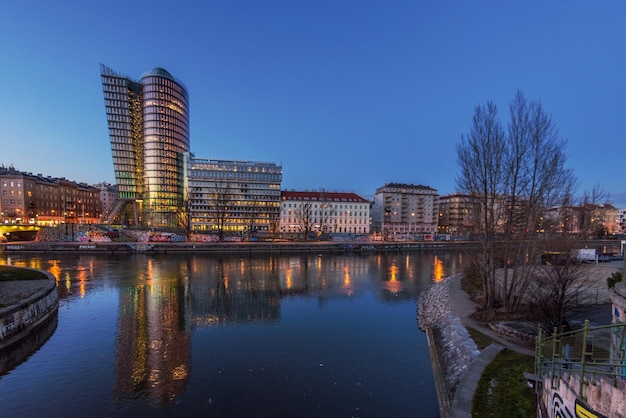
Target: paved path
x,y
463,307
463,398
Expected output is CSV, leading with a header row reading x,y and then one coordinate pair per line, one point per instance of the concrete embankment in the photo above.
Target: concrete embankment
x,y
26,304
226,247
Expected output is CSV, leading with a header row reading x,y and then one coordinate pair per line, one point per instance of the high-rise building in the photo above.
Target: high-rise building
x,y
149,133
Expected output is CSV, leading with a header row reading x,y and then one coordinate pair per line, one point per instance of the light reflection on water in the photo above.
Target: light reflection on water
x,y
310,335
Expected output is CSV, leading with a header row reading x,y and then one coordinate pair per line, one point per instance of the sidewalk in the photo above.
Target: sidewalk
x,y
463,307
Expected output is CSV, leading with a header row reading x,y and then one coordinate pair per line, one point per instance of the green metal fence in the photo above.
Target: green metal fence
x,y
590,352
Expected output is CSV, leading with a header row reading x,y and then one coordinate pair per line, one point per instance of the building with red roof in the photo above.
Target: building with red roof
x,y
323,212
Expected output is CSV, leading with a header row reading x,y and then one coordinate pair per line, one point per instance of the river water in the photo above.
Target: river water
x,y
190,335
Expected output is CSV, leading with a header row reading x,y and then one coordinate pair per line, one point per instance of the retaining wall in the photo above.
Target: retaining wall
x,y
21,318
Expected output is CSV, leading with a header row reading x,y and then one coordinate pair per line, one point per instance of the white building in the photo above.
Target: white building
x,y
405,209
324,212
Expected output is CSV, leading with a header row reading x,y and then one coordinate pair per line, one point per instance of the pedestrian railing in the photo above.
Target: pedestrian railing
x,y
590,352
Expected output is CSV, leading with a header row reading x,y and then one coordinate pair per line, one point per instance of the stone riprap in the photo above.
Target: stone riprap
x,y
456,349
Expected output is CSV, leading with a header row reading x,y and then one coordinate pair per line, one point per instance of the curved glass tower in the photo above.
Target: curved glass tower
x,y
149,133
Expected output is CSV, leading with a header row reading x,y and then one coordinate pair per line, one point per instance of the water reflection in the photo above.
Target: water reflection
x,y
153,342
22,350
162,301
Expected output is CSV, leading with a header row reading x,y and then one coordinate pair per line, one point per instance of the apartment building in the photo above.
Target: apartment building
x,y
456,215
323,212
26,198
405,209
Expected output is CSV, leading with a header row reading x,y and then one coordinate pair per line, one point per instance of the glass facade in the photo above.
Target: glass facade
x,y
233,196
149,133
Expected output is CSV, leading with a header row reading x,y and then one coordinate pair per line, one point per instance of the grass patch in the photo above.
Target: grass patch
x,y
472,283
8,273
482,341
502,390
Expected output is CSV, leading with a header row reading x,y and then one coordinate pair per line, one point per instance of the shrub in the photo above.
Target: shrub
x,y
616,277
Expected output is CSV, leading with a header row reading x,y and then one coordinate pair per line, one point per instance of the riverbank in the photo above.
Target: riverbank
x,y
445,313
25,305
451,347
227,247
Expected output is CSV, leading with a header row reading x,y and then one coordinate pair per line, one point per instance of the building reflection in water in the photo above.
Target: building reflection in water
x,y
164,298
153,342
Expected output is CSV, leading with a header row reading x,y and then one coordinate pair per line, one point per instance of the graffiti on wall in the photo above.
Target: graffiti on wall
x,y
561,410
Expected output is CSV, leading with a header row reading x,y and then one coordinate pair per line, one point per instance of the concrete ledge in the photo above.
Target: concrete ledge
x,y
440,385
22,317
227,247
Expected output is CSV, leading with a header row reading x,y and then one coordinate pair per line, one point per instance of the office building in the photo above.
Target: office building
x,y
232,197
148,124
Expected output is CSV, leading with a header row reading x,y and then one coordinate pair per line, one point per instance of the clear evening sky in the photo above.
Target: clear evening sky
x,y
346,95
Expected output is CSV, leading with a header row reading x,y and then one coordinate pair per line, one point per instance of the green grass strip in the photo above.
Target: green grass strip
x,y
502,390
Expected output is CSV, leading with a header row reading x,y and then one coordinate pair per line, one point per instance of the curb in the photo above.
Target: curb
x,y
20,319
443,399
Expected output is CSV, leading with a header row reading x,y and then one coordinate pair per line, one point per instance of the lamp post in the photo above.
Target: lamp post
x,y
83,209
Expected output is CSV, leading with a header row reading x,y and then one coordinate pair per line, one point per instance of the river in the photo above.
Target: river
x,y
188,335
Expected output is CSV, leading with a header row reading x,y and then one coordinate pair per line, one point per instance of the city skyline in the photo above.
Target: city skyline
x,y
343,95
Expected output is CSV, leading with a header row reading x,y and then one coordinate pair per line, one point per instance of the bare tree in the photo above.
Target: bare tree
x,y
558,291
304,218
326,210
255,210
184,215
481,155
514,178
561,287
536,179
274,224
220,200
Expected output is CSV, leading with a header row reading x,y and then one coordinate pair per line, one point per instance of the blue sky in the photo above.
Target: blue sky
x,y
346,95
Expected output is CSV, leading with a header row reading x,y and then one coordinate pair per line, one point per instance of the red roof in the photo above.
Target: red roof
x,y
322,196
